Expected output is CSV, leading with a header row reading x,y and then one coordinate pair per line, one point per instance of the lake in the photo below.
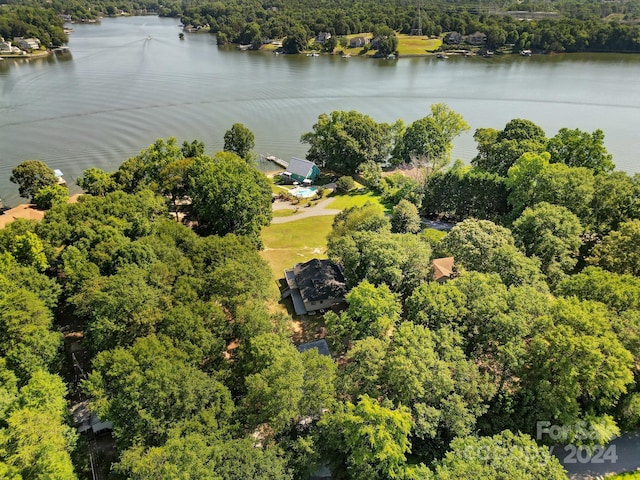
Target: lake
x,y
131,80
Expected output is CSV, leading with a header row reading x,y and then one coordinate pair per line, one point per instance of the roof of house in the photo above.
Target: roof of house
x,y
442,268
298,166
319,280
321,345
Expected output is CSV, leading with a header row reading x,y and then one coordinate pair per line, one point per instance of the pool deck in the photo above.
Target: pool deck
x,y
310,190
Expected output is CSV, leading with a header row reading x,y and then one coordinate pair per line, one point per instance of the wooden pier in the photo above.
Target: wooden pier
x,y
276,160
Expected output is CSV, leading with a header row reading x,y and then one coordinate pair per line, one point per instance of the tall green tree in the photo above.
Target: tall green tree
x,y
239,140
283,385
387,41
369,217
428,140
499,150
31,176
619,251
405,218
97,182
37,442
373,312
369,441
342,141
401,261
230,196
576,148
51,195
552,234
615,200
149,388
26,336
473,242
505,455
296,40
143,170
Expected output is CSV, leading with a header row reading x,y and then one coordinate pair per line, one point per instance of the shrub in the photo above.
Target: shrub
x,y
344,184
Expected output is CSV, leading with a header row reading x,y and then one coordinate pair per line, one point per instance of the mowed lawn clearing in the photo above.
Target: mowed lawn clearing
x,y
417,45
286,244
356,199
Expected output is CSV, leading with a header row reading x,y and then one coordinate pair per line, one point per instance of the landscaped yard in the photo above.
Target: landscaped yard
x,y
407,45
356,199
286,244
289,243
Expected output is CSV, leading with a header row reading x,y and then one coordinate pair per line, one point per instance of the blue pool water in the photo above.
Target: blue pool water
x,y
304,192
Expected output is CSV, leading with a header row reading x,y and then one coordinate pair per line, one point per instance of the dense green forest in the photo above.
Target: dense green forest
x,y
576,27
568,26
37,22
190,358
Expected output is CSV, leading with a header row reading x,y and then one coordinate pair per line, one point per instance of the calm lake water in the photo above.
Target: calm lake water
x,y
129,81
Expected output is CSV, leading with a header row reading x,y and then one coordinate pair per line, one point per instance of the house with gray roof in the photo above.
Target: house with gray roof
x,y
357,42
302,171
315,285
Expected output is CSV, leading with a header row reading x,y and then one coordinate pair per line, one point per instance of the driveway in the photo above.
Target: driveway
x,y
319,209
622,454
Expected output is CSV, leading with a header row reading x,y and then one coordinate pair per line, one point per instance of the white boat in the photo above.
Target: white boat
x,y
525,53
313,54
442,55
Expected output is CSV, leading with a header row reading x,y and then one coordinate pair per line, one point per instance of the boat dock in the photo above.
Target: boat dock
x,y
276,160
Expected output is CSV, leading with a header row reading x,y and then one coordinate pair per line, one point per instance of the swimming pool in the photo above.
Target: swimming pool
x,y
303,192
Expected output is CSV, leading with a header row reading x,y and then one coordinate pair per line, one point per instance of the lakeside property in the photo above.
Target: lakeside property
x,y
194,88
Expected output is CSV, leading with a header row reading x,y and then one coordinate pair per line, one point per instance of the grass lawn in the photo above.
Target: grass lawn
x,y
289,243
356,199
287,212
301,240
417,45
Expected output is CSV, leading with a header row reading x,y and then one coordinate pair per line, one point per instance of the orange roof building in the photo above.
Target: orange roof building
x,y
443,269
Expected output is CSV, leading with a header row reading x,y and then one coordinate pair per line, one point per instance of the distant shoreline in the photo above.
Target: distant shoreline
x,y
27,55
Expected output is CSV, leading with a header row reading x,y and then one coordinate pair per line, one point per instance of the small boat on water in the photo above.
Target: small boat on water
x,y
442,55
525,53
313,54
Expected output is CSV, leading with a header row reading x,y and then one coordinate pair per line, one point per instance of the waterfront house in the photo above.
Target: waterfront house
x,y
453,38
322,37
357,42
5,47
301,171
477,38
315,285
28,43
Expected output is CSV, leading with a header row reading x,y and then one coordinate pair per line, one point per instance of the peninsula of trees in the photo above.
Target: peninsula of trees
x,y
192,360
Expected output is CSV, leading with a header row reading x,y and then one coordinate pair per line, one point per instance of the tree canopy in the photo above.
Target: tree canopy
x,y
342,141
